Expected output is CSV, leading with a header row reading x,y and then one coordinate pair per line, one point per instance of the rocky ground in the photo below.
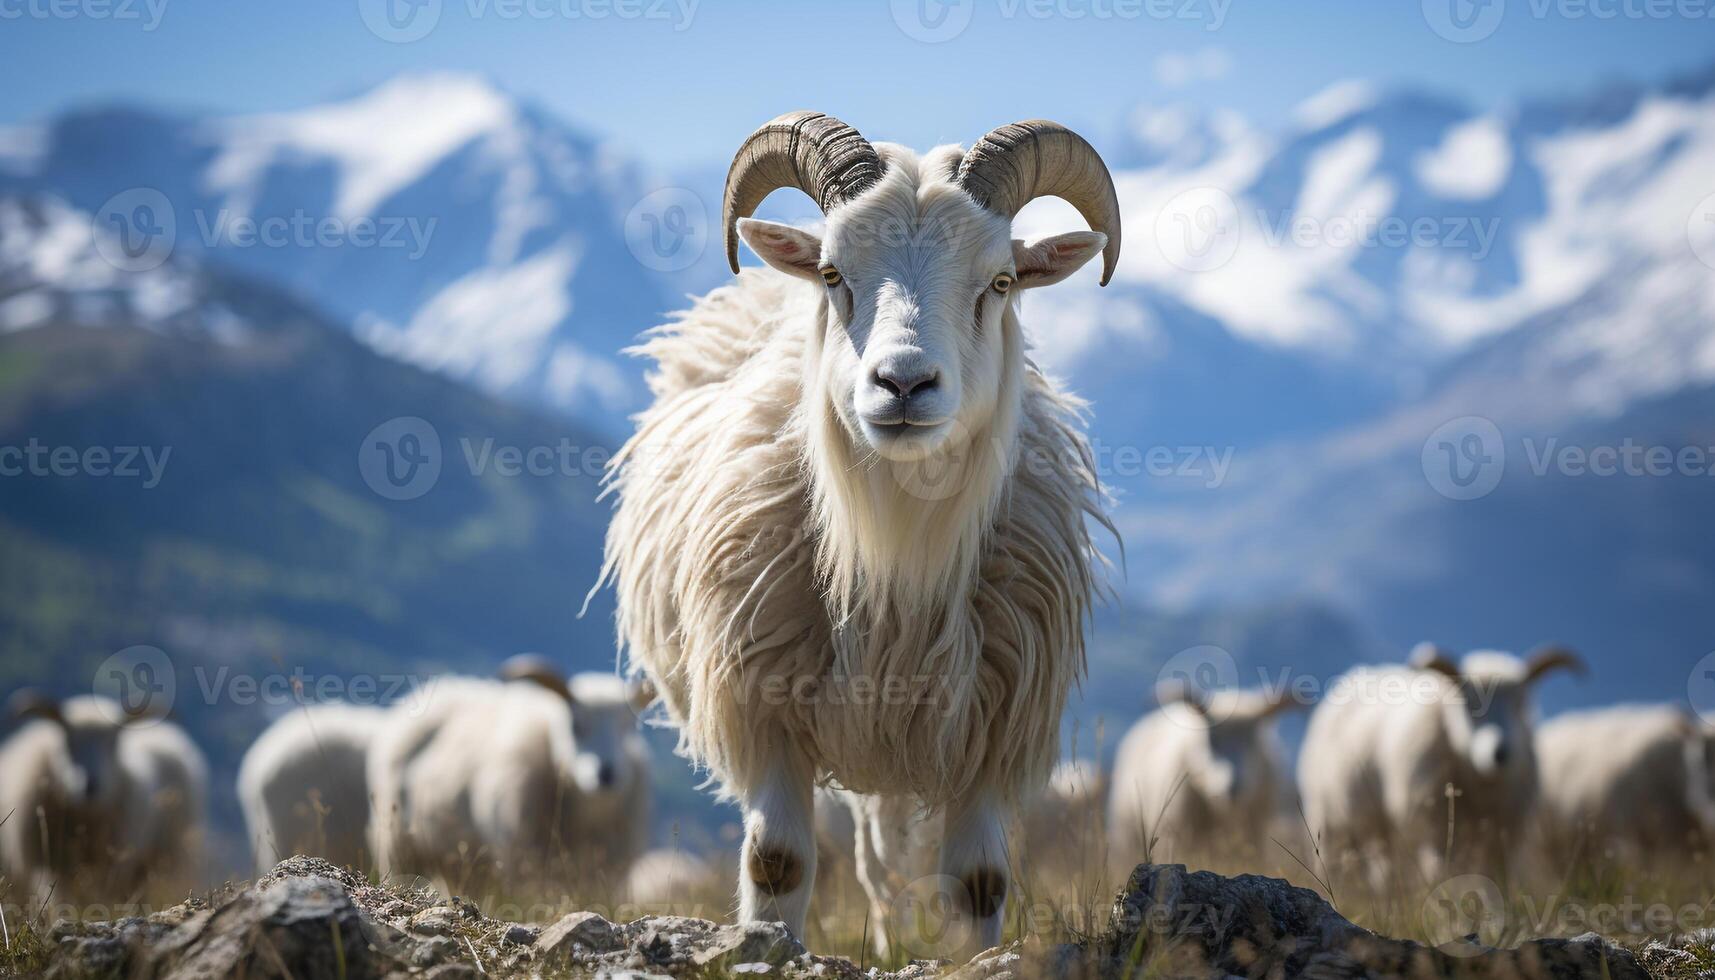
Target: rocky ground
x,y
308,919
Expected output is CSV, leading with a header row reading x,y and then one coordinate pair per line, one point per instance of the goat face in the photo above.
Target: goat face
x,y
917,262
604,730
1236,765
1488,710
917,279
90,771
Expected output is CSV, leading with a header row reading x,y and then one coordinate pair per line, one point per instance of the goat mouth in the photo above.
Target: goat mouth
x,y
899,429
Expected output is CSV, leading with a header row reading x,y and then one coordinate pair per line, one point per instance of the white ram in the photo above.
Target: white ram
x,y
1429,761
304,789
512,782
851,537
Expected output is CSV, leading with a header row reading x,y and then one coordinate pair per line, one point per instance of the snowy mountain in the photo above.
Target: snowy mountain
x,y
1585,331
453,226
1301,309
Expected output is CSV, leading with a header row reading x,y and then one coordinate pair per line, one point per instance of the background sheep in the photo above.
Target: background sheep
x,y
491,782
304,789
1201,775
851,474
1629,782
1430,761
99,804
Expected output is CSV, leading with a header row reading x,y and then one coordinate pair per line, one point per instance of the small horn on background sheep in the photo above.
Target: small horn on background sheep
x,y
813,152
1182,691
1549,658
26,703
1016,164
1430,656
640,691
539,670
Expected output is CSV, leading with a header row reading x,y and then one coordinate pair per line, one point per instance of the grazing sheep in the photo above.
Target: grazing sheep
x,y
1201,775
850,540
97,804
1431,761
514,781
167,780
1631,782
303,788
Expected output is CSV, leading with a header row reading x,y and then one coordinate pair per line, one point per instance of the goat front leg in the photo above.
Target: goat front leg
x,y
778,869
974,864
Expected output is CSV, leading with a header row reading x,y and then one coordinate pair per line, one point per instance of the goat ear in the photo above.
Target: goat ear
x,y
791,250
29,703
1549,658
1429,656
1046,262
641,692
536,669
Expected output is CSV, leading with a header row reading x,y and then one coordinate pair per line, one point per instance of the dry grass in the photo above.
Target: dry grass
x,y
1065,884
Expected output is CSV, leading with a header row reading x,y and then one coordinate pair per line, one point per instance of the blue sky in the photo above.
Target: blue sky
x,y
678,81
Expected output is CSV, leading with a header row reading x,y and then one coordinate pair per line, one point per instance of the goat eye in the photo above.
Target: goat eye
x,y
1002,283
830,275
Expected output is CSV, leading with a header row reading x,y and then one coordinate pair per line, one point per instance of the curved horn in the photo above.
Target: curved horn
x,y
1183,692
1016,164
815,153
536,669
1430,656
27,703
1548,658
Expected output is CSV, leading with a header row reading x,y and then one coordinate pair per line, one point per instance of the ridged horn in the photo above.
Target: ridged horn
x,y
816,153
1016,164
539,670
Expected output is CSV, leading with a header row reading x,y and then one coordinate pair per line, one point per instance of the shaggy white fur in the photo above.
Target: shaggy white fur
x,y
768,569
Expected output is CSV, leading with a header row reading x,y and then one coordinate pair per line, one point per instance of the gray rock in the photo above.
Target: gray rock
x,y
1172,922
753,942
585,929
440,921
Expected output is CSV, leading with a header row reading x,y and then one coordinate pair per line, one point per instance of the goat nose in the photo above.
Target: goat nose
x,y
902,379
605,776
1501,754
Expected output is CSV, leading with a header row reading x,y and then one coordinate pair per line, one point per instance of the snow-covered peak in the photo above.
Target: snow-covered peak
x,y
58,264
1335,104
381,141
